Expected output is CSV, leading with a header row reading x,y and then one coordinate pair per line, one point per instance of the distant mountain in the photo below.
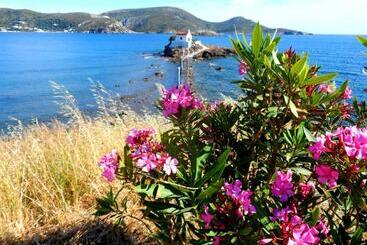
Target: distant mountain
x,y
159,19
27,20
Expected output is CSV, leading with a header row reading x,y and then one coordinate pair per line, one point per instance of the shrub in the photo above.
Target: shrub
x,y
284,164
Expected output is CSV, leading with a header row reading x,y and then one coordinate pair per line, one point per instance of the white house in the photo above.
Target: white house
x,y
183,40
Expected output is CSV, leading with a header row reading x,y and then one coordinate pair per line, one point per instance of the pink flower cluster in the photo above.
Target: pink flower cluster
x,y
110,163
306,188
235,192
176,99
328,88
282,187
347,94
327,175
348,142
302,233
243,68
232,205
295,231
206,217
148,154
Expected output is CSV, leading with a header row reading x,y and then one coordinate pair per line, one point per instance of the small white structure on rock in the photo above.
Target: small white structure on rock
x,y
183,40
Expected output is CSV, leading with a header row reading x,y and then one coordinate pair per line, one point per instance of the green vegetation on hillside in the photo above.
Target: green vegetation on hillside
x,y
158,19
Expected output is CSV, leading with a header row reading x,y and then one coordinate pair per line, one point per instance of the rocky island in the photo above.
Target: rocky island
x,y
181,45
175,53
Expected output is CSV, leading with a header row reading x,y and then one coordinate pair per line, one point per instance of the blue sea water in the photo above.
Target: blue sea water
x,y
334,53
126,64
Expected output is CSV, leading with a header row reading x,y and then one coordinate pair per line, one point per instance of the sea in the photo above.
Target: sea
x,y
130,67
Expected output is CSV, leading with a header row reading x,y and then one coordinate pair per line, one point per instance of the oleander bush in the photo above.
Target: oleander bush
x,y
283,164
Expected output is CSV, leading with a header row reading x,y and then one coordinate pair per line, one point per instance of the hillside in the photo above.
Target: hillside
x,y
27,20
158,19
167,19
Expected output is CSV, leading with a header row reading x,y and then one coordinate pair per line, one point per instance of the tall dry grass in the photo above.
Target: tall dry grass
x,y
49,173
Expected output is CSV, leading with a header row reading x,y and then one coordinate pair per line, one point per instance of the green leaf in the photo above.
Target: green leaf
x,y
300,133
357,198
162,207
309,135
357,236
257,36
362,40
299,66
301,171
213,188
315,216
245,231
156,191
334,230
199,163
216,171
319,79
292,106
105,205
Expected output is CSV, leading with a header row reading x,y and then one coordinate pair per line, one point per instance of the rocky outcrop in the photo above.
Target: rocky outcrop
x,y
214,52
200,53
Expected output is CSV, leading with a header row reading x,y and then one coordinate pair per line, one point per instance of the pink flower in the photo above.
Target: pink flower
x,y
148,154
309,90
355,142
348,142
235,192
323,228
215,106
265,241
138,136
304,235
326,88
281,215
206,217
347,94
243,68
147,162
197,103
217,240
306,188
170,166
327,175
318,147
354,169
296,220
245,200
110,163
282,187
175,99
345,110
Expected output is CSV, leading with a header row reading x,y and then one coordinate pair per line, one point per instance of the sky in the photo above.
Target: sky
x,y
315,16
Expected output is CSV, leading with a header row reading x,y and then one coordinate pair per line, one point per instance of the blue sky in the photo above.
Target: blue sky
x,y
316,16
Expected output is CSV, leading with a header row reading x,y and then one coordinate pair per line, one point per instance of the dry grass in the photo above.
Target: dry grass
x,y
49,174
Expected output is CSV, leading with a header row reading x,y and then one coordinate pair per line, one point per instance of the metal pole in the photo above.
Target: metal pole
x,y
179,76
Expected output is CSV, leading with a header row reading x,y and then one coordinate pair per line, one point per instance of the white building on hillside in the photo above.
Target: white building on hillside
x,y
183,40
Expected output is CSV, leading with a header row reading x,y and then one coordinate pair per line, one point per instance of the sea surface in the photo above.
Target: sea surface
x,y
127,64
